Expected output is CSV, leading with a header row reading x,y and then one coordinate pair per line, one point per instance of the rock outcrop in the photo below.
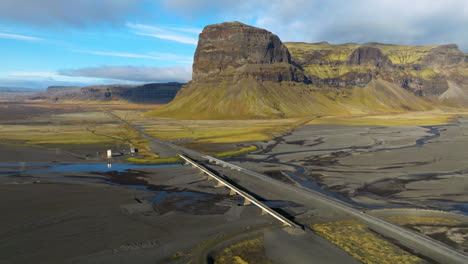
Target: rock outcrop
x,y
240,71
239,49
423,70
369,56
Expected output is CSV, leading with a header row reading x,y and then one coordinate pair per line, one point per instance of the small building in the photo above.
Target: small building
x,y
133,150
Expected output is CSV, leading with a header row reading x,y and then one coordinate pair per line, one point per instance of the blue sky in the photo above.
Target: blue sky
x,y
67,42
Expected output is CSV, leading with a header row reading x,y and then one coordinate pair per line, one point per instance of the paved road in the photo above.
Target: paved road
x,y
416,241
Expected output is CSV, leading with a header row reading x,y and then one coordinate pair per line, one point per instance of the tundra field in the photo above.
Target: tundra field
x,y
408,169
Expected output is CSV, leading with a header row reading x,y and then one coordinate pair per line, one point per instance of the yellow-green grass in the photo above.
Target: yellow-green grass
x,y
325,71
217,131
73,129
363,244
213,134
422,220
334,71
246,252
289,100
236,152
402,119
329,51
154,160
398,54
246,99
52,134
90,106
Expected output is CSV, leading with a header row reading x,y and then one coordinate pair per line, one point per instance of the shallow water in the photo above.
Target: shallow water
x,y
32,168
7,169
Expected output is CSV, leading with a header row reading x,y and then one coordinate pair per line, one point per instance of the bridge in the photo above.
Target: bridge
x,y
234,190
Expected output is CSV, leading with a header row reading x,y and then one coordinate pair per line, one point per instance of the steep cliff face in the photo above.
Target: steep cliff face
x,y
369,56
235,50
423,70
241,71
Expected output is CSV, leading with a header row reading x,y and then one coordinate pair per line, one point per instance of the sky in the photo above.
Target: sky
x,y
89,42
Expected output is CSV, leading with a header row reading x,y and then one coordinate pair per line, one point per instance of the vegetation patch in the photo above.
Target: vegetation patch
x,y
71,127
363,244
246,252
241,151
422,220
154,161
402,119
215,131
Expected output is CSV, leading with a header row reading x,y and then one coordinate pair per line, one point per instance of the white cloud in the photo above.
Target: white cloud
x,y
41,80
20,37
134,73
178,34
417,22
54,13
152,56
49,76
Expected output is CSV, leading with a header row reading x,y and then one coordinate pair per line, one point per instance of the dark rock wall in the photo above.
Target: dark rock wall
x,y
236,49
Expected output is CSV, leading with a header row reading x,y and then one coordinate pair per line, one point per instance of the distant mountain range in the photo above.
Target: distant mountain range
x,y
241,71
17,90
8,93
151,93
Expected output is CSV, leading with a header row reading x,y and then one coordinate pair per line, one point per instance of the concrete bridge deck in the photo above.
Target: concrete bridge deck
x,y
246,196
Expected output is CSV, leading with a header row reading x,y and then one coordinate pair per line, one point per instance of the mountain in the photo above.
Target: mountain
x,y
9,93
154,93
240,71
423,70
16,90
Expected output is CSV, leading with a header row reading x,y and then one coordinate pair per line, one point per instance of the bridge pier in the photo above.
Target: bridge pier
x,y
248,199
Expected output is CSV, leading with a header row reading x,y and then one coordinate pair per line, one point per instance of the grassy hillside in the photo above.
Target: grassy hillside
x,y
249,99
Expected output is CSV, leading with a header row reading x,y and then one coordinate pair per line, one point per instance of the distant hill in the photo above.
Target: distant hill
x,y
241,71
15,92
154,93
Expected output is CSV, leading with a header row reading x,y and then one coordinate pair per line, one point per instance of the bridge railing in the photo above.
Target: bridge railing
x,y
246,196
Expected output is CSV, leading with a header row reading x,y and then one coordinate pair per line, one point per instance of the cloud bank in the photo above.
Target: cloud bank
x,y
134,73
20,37
417,22
73,12
181,35
152,56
